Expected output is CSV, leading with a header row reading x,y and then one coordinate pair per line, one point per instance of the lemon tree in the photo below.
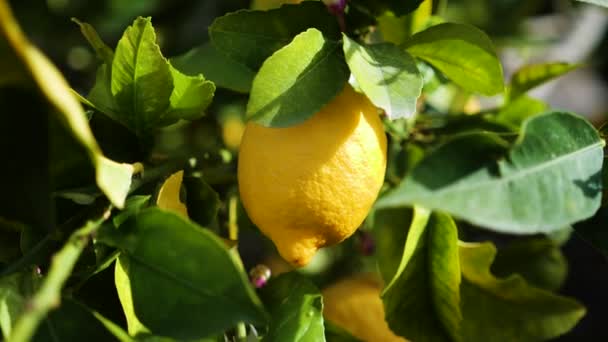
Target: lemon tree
x,y
304,171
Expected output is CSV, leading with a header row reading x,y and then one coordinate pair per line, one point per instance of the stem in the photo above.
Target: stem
x,y
233,234
241,332
48,296
233,228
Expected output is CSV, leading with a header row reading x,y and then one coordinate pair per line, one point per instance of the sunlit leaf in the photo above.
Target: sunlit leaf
x,y
387,75
296,307
530,76
141,78
551,178
463,53
297,81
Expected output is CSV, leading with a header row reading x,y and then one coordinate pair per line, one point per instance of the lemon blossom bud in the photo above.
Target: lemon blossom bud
x,y
335,6
259,275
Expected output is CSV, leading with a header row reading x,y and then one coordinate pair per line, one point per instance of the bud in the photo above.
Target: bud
x,y
367,245
259,275
335,6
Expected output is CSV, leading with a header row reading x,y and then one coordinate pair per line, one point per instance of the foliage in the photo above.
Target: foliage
x,y
121,220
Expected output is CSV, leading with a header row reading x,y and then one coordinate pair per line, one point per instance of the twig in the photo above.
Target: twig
x,y
48,296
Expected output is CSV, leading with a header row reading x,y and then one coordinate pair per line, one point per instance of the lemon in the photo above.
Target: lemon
x,y
355,305
312,184
232,132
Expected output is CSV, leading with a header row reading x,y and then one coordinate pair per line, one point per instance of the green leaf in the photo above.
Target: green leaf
x,y
218,68
249,37
530,76
463,53
508,309
550,179
514,113
186,281
335,333
11,301
297,81
123,288
538,260
101,49
190,97
296,308
428,266
141,78
57,93
398,7
48,294
133,206
603,3
387,75
100,97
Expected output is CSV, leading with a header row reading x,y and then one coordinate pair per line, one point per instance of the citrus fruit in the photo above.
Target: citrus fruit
x,y
312,184
354,304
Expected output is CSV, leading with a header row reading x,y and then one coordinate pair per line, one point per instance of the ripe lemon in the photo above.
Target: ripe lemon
x,y
355,305
312,184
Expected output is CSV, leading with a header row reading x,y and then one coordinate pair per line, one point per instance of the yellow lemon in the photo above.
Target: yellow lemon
x,y
355,305
232,132
312,184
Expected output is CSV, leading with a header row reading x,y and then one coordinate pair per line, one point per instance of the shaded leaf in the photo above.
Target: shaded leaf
x,y
463,53
508,309
550,179
428,266
133,206
335,333
249,37
530,76
101,49
186,281
296,307
297,81
399,7
387,75
514,113
538,260
218,68
202,201
11,301
100,97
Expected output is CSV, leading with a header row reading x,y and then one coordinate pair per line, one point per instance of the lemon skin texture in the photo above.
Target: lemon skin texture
x,y
311,185
354,304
